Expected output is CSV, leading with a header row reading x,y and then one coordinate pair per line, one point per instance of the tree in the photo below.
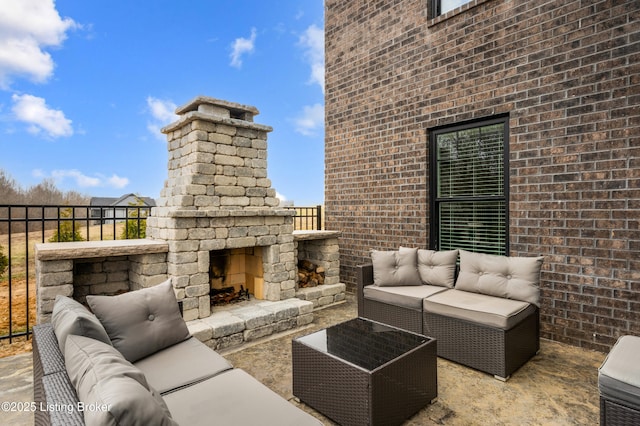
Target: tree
x,y
66,231
135,228
4,262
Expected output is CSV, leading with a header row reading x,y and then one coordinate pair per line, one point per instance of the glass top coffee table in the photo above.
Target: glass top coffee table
x,y
362,372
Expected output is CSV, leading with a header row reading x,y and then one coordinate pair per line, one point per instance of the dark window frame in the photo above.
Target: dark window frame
x,y
435,201
436,8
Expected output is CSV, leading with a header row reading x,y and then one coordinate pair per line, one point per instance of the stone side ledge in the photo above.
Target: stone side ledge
x,y
104,248
315,235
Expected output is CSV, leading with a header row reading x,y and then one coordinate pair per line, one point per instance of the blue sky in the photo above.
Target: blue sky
x,y
86,85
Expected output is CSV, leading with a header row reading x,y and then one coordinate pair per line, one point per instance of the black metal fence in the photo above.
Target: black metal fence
x,y
308,218
23,226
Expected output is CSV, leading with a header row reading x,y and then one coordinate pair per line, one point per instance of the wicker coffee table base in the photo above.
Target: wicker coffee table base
x,y
351,395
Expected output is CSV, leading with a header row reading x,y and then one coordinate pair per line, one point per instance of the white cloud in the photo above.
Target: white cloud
x,y
241,46
313,42
162,114
283,200
80,179
27,27
312,118
40,117
85,181
116,181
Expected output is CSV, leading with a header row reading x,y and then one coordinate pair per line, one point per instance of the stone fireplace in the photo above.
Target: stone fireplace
x,y
218,199
217,224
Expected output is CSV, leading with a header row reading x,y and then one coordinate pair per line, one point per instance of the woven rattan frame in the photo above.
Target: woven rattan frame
x,y
351,395
616,413
51,382
397,316
492,350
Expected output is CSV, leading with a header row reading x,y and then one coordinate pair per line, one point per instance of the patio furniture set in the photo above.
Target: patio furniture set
x,y
117,365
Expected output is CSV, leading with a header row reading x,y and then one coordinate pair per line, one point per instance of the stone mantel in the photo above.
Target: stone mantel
x,y
222,212
315,235
105,248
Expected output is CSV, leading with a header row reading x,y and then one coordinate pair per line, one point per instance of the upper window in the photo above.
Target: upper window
x,y
469,187
443,6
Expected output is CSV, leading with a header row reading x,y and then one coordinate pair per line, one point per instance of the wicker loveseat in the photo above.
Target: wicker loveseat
x,y
134,363
486,316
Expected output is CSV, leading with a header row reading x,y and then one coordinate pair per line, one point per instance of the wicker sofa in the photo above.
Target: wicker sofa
x,y
484,315
134,363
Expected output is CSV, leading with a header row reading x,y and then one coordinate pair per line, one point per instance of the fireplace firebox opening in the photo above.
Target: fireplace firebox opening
x,y
234,274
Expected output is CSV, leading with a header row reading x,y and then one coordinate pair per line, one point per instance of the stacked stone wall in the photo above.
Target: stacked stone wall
x,y
97,268
566,73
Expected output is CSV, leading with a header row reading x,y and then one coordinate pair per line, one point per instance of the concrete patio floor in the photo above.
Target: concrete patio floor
x,y
557,387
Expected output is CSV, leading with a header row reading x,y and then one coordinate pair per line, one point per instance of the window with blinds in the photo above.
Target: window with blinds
x,y
469,207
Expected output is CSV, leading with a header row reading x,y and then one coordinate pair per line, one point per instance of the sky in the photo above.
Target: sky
x,y
86,86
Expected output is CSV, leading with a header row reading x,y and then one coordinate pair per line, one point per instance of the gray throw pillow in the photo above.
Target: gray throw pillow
x,y
438,267
395,268
71,317
113,390
142,322
515,278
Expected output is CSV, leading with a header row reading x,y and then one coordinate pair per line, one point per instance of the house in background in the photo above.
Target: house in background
x,y
499,126
105,209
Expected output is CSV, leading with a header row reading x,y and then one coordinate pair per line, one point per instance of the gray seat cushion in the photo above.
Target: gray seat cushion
x,y
405,296
162,372
234,398
479,308
619,374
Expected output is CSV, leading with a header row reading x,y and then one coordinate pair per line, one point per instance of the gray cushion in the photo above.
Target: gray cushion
x,y
395,268
234,398
405,296
438,267
161,372
117,391
141,322
478,308
509,277
70,317
619,374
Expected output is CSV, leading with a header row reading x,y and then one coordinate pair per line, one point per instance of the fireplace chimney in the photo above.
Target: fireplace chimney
x,y
217,158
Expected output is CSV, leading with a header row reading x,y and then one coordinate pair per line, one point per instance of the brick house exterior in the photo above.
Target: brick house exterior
x,y
567,76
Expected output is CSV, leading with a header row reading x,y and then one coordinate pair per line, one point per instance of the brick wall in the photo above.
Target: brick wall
x,y
568,75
